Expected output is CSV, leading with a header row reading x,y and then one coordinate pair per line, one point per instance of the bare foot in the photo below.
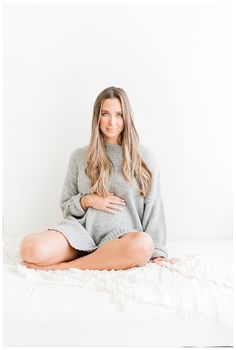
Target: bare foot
x,y
159,260
59,266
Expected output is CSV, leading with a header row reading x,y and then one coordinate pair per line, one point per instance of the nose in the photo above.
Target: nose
x,y
112,120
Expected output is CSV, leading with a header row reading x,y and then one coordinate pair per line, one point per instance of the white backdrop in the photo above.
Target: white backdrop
x,y
174,60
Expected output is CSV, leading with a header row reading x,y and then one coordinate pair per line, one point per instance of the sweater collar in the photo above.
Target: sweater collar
x,y
113,147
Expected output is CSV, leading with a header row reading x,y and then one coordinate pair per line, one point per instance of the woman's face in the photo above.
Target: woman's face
x,y
111,122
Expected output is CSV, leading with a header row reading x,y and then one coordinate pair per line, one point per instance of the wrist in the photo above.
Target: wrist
x,y
85,203
82,202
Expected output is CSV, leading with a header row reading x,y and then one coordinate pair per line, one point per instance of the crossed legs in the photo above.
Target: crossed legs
x,y
51,250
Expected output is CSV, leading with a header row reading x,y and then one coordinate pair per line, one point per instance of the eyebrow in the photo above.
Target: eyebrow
x,y
104,110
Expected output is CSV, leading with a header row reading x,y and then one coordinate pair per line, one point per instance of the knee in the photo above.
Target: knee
x,y
31,249
140,247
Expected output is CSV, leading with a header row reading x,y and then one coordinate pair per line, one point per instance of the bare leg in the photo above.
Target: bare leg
x,y
134,249
47,248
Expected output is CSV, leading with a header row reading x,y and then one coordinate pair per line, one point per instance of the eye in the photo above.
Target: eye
x,y
104,114
119,115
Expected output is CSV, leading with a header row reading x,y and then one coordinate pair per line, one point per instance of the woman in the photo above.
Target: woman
x,y
111,201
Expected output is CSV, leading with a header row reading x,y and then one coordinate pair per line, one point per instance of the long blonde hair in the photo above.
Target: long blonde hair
x,y
99,166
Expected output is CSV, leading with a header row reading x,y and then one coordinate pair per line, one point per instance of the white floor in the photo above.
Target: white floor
x,y
43,310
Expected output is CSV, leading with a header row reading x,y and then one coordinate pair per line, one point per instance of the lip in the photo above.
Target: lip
x,y
111,130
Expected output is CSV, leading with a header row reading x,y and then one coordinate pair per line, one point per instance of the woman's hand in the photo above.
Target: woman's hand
x,y
160,260
110,203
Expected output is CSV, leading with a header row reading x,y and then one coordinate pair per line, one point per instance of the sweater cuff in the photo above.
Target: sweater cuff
x,y
80,212
158,253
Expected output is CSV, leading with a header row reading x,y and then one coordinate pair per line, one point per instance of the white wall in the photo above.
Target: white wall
x,y
173,59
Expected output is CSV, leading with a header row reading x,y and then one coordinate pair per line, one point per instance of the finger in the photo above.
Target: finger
x,y
157,261
120,200
121,204
172,261
115,207
117,200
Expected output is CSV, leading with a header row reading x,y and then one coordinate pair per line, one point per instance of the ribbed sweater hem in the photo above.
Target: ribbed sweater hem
x,y
80,239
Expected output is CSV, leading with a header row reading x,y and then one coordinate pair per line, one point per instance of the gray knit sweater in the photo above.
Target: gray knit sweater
x,y
139,214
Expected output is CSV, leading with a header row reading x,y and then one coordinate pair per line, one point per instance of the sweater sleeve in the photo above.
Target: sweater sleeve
x,y
153,220
70,197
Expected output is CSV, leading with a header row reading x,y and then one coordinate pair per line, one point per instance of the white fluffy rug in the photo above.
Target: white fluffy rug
x,y
196,286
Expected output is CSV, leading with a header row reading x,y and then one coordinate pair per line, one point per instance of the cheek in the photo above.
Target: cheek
x,y
121,123
102,123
